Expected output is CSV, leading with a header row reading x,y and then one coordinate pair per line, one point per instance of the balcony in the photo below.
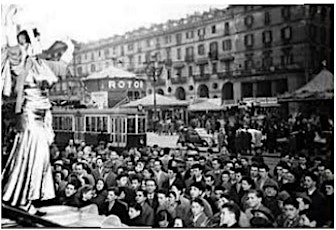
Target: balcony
x,y
213,55
168,62
189,58
179,80
159,81
225,75
202,77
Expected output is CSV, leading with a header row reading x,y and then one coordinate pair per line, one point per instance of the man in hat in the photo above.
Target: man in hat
x,y
264,213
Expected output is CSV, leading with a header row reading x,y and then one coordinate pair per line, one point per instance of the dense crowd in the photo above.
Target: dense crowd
x,y
162,187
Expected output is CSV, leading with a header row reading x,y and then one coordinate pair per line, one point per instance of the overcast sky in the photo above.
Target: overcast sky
x,y
92,20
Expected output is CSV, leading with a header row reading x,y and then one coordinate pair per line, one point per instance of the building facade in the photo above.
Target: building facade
x,y
233,53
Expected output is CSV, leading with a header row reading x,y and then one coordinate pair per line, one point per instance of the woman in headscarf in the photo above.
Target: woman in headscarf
x,y
27,176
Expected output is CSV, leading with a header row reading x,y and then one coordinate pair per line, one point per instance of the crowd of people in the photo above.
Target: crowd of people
x,y
162,187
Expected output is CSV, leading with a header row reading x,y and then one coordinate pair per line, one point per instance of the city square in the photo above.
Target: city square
x,y
208,116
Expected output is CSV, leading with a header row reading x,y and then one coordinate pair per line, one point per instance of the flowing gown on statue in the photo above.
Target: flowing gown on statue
x,y
28,174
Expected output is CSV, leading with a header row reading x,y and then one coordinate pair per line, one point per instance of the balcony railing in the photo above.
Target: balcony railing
x,y
224,75
179,80
189,58
202,77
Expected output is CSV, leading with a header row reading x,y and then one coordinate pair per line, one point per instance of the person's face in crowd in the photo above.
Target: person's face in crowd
x,y
215,165
195,192
80,155
189,162
123,181
225,178
178,192
58,168
162,199
202,162
244,162
238,177
71,142
289,178
279,170
245,185
111,196
302,205
221,201
88,195
253,201
114,155
196,172
146,174
23,41
302,160
79,170
254,172
226,217
232,175
150,186
328,174
229,165
83,144
70,190
130,165
99,163
139,167
171,199
270,191
209,181
171,174
157,166
178,223
58,177
196,208
291,212
100,185
218,194
151,163
135,184
155,153
329,190
308,183
133,213
140,198
262,173
321,169
317,162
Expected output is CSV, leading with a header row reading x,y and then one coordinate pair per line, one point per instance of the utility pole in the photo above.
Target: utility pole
x,y
154,70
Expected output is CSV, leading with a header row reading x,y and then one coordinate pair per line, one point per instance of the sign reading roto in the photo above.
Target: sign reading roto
x,y
125,84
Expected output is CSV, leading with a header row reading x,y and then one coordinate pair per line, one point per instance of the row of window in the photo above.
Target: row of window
x,y
63,123
96,124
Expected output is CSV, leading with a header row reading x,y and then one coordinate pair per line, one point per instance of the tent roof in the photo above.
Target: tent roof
x,y
111,72
320,87
161,100
206,105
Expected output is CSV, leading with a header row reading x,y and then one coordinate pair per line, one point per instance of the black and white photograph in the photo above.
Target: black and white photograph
x,y
167,114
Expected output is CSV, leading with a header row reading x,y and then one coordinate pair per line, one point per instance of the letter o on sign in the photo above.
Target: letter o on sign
x,y
136,84
121,84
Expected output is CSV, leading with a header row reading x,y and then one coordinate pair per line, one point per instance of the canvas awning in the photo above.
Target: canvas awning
x,y
161,100
321,87
206,105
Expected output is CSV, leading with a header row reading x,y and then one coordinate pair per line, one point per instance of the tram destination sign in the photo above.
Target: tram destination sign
x,y
125,84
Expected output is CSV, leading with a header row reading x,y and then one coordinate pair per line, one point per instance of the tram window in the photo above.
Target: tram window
x,y
99,124
87,124
104,129
131,125
93,124
141,125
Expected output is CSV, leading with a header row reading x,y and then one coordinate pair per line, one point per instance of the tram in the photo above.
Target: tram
x,y
122,127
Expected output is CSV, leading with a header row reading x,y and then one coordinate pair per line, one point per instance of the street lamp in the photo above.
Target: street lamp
x,y
154,69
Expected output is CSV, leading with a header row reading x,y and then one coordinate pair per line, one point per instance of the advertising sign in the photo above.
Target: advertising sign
x,y
100,99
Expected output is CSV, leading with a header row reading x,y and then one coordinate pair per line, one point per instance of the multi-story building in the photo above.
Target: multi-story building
x,y
232,53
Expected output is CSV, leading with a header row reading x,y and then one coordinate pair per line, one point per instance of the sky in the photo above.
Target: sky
x,y
87,21
91,20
